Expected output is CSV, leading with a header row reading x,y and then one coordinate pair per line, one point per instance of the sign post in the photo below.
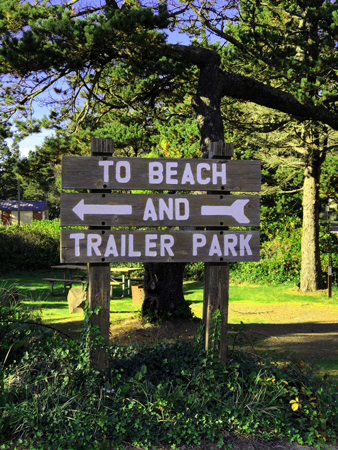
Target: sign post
x,y
99,274
100,209
216,275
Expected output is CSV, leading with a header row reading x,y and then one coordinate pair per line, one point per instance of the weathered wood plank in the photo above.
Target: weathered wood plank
x,y
109,246
159,210
216,275
88,172
217,298
98,293
102,146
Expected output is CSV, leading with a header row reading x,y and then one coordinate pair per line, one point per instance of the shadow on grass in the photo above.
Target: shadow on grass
x,y
44,305
73,328
310,340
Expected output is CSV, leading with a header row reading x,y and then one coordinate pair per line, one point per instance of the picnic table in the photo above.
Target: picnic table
x,y
120,276
68,280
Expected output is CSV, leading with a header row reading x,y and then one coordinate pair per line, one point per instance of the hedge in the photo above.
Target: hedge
x,y
33,246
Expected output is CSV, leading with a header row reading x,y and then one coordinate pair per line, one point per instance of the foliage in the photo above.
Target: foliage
x,y
30,246
292,150
194,271
152,394
177,132
37,178
328,182
138,127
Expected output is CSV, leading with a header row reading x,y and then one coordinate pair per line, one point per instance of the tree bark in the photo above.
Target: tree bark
x,y
207,105
311,272
163,287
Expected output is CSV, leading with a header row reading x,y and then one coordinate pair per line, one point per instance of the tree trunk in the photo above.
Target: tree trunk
x,y
163,287
163,282
311,272
207,105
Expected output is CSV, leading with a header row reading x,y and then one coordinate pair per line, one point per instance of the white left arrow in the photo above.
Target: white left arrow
x,y
81,209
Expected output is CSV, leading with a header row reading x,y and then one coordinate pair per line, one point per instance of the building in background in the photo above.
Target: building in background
x,y
29,210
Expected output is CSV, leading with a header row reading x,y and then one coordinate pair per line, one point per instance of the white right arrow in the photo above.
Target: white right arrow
x,y
81,209
236,210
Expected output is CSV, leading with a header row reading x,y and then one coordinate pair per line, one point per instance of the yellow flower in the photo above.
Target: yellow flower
x,y
296,404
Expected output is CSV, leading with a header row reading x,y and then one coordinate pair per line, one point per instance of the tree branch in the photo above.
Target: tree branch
x,y
245,88
292,192
177,13
87,11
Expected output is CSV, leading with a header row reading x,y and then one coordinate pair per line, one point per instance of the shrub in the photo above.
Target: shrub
x,y
30,247
194,271
281,255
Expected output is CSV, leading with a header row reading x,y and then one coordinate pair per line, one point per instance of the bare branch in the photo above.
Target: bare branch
x,y
87,11
177,13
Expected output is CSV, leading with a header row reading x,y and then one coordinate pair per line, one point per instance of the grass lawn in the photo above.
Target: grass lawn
x,y
54,309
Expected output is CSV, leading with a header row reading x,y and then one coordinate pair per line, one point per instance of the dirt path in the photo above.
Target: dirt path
x,y
309,330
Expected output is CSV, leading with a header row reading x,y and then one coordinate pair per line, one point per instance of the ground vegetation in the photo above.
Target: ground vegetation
x,y
151,394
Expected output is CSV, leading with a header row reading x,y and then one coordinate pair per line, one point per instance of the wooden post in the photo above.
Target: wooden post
x,y
19,223
99,273
329,278
216,275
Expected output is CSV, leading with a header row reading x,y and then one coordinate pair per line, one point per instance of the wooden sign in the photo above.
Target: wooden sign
x,y
97,246
159,210
93,172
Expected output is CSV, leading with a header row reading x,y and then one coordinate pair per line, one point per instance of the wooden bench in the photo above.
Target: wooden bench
x,y
139,280
66,283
